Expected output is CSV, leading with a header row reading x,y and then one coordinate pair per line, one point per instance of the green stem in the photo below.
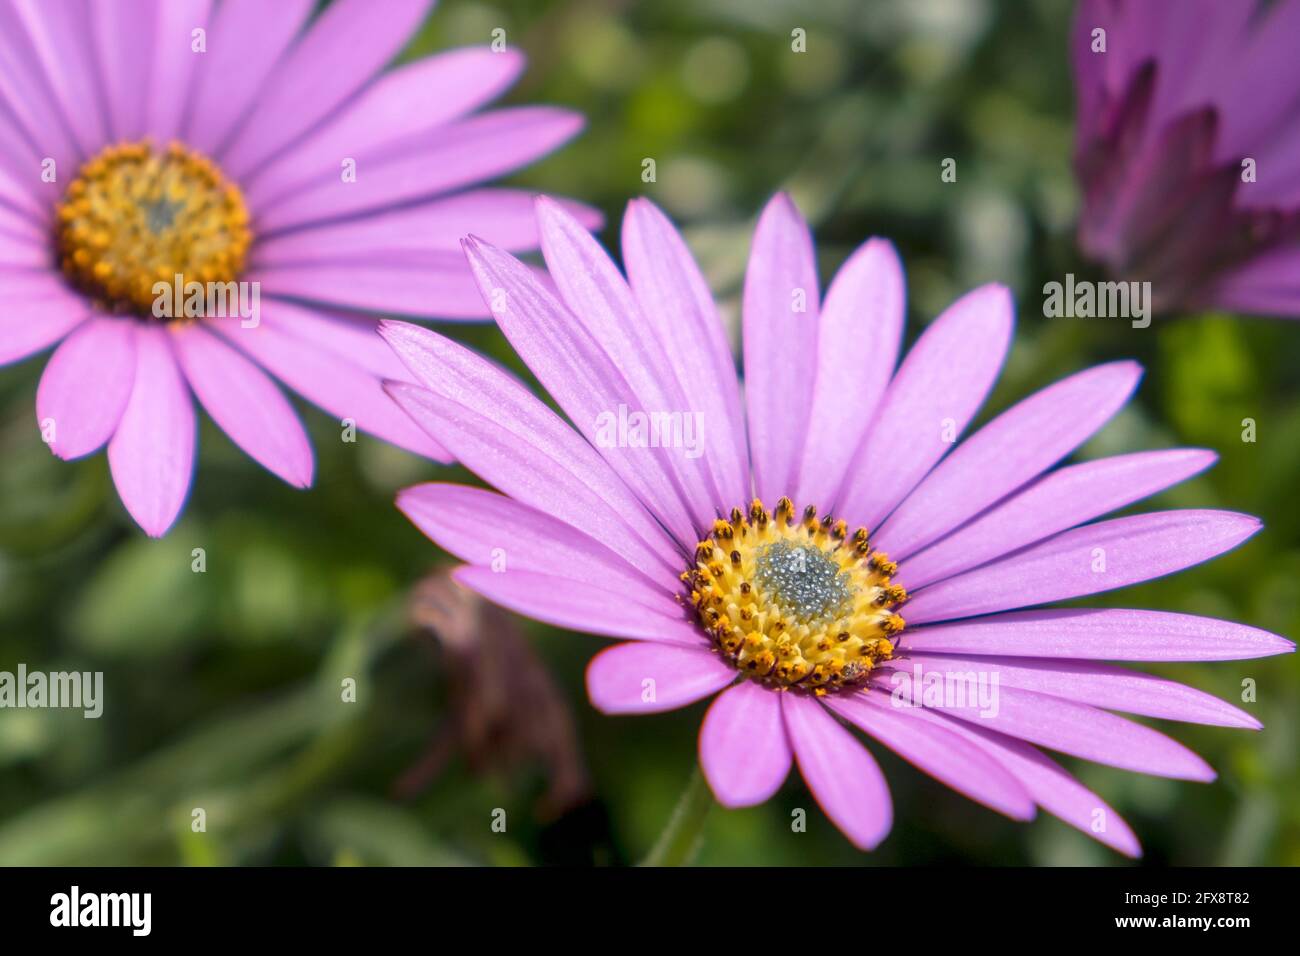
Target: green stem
x,y
681,838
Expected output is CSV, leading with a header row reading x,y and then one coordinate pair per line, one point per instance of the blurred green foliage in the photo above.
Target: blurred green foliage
x,y
222,688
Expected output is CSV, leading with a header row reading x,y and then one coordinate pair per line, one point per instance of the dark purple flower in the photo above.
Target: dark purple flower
x,y
1188,150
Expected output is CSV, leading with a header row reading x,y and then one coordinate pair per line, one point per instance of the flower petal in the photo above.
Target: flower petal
x,y
62,45
935,393
344,47
504,217
151,454
644,678
1016,447
1050,787
1072,728
85,386
174,64
346,335
780,309
29,103
1100,685
861,328
504,434
126,36
1086,560
342,387
842,775
1056,502
22,252
446,85
32,321
585,608
430,284
247,40
600,299
937,752
246,405
17,224
487,529
580,376
743,748
1104,634
463,153
676,302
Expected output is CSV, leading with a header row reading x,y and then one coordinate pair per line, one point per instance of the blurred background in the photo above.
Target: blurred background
x,y
222,688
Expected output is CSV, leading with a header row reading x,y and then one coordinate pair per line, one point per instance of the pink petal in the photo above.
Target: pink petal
x,y
21,192
340,386
504,434
780,309
1050,787
1072,728
245,43
1109,634
432,284
861,327
175,63
23,252
19,224
1014,448
1087,560
487,529
446,85
676,303
347,335
246,405
842,776
935,393
643,678
1056,502
28,101
85,387
586,608
62,45
344,47
126,36
579,375
504,217
469,151
1101,685
32,321
601,301
936,751
743,749
151,455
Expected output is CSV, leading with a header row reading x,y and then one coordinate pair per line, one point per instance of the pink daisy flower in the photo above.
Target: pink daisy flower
x,y
907,554
1188,149
246,147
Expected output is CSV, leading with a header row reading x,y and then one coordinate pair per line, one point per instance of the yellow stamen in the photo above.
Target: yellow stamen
x,y
135,216
800,604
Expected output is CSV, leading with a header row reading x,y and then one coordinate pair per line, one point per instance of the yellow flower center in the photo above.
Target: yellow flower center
x,y
136,216
798,604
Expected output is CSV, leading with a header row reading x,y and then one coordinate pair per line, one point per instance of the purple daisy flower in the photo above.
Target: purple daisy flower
x,y
243,148
683,537
1188,149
